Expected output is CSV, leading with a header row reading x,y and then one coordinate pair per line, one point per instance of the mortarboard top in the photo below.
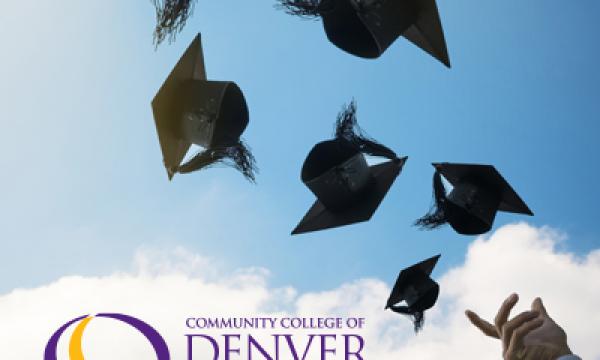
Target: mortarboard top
x,y
478,193
427,32
320,217
189,109
366,28
368,32
406,276
417,289
189,67
348,190
488,176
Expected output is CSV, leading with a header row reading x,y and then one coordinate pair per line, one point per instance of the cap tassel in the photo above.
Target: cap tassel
x,y
417,317
347,128
237,156
308,9
436,216
171,16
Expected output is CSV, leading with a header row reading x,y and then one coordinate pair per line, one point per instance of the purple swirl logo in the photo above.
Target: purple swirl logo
x,y
75,348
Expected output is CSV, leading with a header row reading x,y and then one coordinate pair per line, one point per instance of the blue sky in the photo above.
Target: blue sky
x,y
83,183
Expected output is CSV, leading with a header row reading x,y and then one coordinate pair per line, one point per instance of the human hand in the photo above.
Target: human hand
x,y
529,335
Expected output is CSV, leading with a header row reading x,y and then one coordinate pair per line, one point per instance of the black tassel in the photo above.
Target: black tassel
x,y
171,16
237,156
347,128
304,8
417,317
436,216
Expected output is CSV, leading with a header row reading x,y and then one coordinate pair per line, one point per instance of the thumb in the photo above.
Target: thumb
x,y
538,306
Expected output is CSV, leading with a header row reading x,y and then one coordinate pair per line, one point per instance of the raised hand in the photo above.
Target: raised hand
x,y
529,335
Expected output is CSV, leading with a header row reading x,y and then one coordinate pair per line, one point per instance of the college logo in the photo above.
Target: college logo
x,y
75,349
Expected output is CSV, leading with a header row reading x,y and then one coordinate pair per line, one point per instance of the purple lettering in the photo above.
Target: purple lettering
x,y
324,349
253,343
292,347
211,340
356,354
228,348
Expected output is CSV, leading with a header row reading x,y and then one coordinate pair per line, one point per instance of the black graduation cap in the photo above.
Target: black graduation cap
x,y
415,287
348,190
189,109
366,28
479,191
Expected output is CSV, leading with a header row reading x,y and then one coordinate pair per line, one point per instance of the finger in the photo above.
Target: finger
x,y
482,325
516,340
504,311
538,306
509,327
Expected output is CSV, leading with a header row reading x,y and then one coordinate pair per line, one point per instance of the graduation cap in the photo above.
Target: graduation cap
x,y
348,190
479,192
417,290
366,28
189,109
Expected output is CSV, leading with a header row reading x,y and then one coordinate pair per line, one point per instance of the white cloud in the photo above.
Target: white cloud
x,y
165,290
